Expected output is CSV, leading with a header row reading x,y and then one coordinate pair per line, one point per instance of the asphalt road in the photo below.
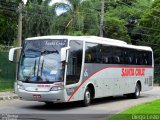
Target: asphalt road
x,y
98,110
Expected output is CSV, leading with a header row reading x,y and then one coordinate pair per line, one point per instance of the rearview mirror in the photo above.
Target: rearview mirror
x,y
64,53
11,53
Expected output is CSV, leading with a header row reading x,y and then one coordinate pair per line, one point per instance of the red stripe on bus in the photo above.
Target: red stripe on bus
x,y
99,71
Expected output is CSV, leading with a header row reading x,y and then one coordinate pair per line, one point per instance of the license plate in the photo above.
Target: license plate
x,y
36,96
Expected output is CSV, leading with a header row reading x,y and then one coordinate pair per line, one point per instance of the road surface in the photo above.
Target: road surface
x,y
98,110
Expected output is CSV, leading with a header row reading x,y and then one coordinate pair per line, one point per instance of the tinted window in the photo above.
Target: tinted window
x,y
91,55
105,54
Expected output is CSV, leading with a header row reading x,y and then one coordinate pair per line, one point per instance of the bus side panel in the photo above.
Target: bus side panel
x,y
109,81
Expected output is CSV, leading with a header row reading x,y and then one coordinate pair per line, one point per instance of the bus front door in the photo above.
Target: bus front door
x,y
74,68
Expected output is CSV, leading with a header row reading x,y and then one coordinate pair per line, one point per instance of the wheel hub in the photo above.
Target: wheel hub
x,y
88,97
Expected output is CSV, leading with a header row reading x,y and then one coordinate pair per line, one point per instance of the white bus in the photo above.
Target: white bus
x,y
54,69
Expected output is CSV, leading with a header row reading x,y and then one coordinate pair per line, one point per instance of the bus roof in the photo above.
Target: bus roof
x,y
94,39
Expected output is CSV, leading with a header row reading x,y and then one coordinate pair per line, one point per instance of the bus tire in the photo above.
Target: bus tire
x,y
87,98
136,94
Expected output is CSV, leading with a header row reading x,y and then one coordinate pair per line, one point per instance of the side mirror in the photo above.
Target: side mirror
x,y
64,53
11,53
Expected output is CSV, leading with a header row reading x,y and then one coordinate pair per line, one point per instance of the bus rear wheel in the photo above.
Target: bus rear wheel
x,y
87,98
136,94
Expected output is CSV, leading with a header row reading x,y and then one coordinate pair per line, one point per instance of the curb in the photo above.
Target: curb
x,y
8,97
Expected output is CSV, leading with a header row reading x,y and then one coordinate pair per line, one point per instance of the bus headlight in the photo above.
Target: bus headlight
x,y
20,86
56,88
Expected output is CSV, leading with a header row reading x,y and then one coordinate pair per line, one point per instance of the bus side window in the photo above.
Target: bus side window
x,y
125,56
91,55
88,58
116,59
149,58
106,60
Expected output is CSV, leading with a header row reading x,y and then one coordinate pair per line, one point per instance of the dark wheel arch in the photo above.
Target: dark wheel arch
x,y
139,82
91,87
89,94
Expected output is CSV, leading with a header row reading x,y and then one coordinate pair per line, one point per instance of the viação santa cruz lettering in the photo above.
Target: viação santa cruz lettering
x,y
133,72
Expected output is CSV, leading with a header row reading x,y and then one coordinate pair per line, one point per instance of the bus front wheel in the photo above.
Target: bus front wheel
x,y
87,97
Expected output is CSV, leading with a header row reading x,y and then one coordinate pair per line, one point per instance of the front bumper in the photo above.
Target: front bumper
x,y
50,96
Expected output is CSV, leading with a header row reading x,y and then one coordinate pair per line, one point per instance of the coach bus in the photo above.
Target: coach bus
x,y
55,69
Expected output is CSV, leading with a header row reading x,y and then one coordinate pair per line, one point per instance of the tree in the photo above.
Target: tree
x,y
38,18
115,28
8,22
78,17
150,23
129,13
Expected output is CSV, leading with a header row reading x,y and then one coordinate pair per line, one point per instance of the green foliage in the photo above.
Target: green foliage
x,y
129,13
1,47
116,3
8,21
151,21
7,72
80,17
115,28
157,74
38,18
6,67
76,33
124,19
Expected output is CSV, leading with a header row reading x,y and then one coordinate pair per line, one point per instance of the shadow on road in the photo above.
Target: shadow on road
x,y
112,99
56,107
75,105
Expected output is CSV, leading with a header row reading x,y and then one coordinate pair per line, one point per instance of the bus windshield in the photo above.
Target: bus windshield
x,y
40,61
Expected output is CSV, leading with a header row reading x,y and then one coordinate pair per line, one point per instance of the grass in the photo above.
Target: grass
x,y
146,111
7,88
6,84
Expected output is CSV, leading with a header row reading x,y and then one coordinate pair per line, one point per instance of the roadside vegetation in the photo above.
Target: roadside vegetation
x,y
7,72
146,111
134,21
